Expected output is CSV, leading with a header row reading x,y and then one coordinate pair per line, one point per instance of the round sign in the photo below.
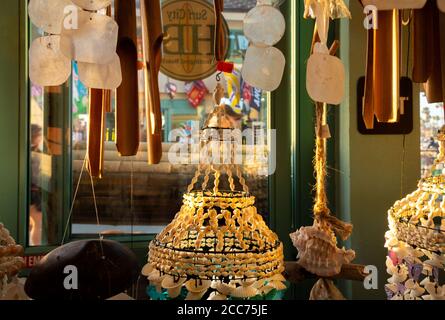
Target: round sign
x,y
189,44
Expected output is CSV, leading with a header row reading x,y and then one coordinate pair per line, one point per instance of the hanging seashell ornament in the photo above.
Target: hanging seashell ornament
x,y
93,41
263,66
264,26
101,76
325,79
48,15
47,65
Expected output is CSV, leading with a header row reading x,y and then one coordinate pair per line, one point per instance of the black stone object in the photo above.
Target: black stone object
x,y
103,269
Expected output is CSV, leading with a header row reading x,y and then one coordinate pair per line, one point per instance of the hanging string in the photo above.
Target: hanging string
x,y
74,200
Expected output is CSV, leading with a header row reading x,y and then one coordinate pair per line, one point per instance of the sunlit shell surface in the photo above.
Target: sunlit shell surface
x,y
49,14
318,252
264,67
264,25
94,41
47,65
101,76
92,5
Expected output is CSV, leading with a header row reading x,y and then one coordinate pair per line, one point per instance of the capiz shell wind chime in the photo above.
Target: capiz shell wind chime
x,y
416,238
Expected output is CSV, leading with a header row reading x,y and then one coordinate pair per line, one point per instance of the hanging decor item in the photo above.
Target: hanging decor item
x,y
382,84
48,15
47,65
11,262
87,37
218,247
325,79
394,4
152,39
429,51
127,95
196,92
96,131
416,238
317,245
104,268
264,26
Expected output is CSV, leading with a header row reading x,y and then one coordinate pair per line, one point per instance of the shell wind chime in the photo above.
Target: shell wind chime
x,y
11,263
218,247
317,246
264,27
416,238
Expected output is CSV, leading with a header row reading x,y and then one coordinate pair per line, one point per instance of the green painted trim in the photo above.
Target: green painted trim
x,y
10,83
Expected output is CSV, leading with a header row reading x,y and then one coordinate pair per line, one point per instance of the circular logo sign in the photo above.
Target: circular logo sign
x,y
189,44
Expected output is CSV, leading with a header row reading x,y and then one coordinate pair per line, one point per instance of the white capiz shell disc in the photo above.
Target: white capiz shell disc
x,y
47,65
264,67
325,79
395,4
264,25
101,76
92,5
94,40
48,15
441,5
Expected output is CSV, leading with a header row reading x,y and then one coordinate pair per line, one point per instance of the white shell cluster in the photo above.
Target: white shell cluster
x,y
216,289
264,27
416,242
318,252
88,37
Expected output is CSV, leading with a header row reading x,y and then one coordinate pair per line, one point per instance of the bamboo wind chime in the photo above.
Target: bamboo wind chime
x,y
382,99
152,48
127,95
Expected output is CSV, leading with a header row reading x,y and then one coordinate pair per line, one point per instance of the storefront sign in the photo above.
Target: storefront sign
x,y
31,261
189,45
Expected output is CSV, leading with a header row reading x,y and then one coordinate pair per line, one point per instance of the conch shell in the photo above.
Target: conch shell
x,y
325,289
318,252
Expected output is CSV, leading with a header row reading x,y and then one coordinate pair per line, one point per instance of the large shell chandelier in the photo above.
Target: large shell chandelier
x,y
218,246
416,239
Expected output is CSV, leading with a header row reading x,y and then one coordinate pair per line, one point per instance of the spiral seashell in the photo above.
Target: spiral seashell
x,y
170,282
147,269
318,252
224,288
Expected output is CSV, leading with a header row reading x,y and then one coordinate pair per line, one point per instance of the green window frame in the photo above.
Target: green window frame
x,y
291,115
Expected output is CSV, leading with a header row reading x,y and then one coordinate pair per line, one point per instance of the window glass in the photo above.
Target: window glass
x,y
48,141
134,197
431,120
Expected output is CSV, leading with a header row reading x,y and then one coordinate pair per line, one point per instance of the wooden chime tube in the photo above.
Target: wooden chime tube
x,y
127,95
152,43
219,31
96,131
368,101
422,42
434,87
386,67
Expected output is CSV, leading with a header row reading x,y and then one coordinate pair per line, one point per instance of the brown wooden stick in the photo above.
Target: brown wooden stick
x,y
295,273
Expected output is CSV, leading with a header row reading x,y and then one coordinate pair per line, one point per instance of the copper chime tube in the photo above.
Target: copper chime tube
x,y
368,101
386,67
152,44
127,100
96,132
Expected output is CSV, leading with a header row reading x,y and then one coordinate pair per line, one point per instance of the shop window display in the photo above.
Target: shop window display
x,y
132,197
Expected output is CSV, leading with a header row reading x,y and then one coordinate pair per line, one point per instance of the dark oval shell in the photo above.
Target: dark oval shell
x,y
100,276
